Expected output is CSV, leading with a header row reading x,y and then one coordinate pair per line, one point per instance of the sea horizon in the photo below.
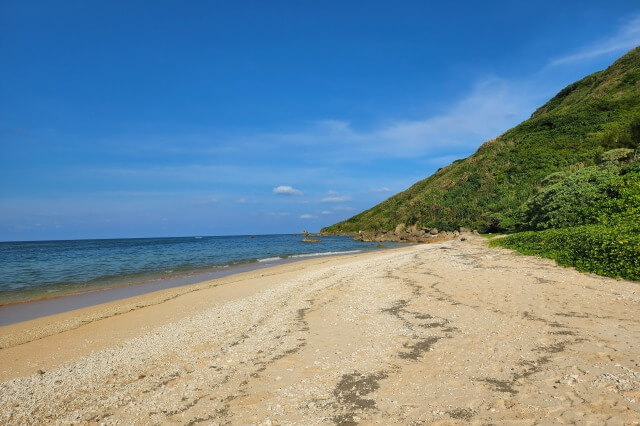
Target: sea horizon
x,y
45,240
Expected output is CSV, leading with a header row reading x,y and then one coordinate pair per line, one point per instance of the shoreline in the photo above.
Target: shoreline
x,y
441,333
121,299
23,310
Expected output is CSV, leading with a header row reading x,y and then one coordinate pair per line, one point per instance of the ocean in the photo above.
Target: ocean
x,y
44,269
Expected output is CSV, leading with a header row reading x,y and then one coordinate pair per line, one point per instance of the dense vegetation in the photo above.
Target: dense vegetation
x,y
487,189
567,180
590,195
590,220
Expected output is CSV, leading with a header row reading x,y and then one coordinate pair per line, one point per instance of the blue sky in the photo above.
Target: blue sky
x,y
159,118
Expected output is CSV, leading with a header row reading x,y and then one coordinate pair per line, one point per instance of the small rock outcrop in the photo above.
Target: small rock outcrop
x,y
411,234
311,240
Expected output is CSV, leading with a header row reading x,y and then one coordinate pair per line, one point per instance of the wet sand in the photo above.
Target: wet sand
x,y
452,332
26,310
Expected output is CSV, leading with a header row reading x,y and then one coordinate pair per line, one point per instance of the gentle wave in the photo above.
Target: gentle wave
x,y
326,253
270,259
31,269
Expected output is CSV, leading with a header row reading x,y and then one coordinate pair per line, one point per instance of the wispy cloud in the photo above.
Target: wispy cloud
x,y
306,216
343,208
491,107
382,190
202,171
335,197
627,37
286,190
326,212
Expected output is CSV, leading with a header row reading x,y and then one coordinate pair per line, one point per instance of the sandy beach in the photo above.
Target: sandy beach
x,y
452,332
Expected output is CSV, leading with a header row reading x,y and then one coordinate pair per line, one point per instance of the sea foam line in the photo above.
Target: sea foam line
x,y
269,259
326,253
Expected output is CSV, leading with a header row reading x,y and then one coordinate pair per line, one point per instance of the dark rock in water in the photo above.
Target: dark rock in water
x,y
380,245
311,240
252,236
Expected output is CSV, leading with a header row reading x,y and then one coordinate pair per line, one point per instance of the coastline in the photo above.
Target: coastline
x,y
24,310
116,301
449,332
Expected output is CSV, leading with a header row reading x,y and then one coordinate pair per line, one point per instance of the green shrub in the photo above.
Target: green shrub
x,y
618,137
604,250
608,200
576,200
555,177
617,155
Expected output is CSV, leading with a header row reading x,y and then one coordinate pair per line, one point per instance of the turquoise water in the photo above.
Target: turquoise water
x,y
30,270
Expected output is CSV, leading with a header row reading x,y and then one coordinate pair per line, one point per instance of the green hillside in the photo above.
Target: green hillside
x,y
488,190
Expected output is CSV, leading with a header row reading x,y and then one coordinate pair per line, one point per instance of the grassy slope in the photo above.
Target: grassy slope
x,y
484,190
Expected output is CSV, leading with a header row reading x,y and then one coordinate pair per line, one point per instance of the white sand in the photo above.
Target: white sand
x,y
451,332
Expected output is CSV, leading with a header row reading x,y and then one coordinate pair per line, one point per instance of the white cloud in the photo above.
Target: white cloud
x,y
241,200
492,106
335,197
306,216
326,212
232,172
381,190
286,190
627,37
